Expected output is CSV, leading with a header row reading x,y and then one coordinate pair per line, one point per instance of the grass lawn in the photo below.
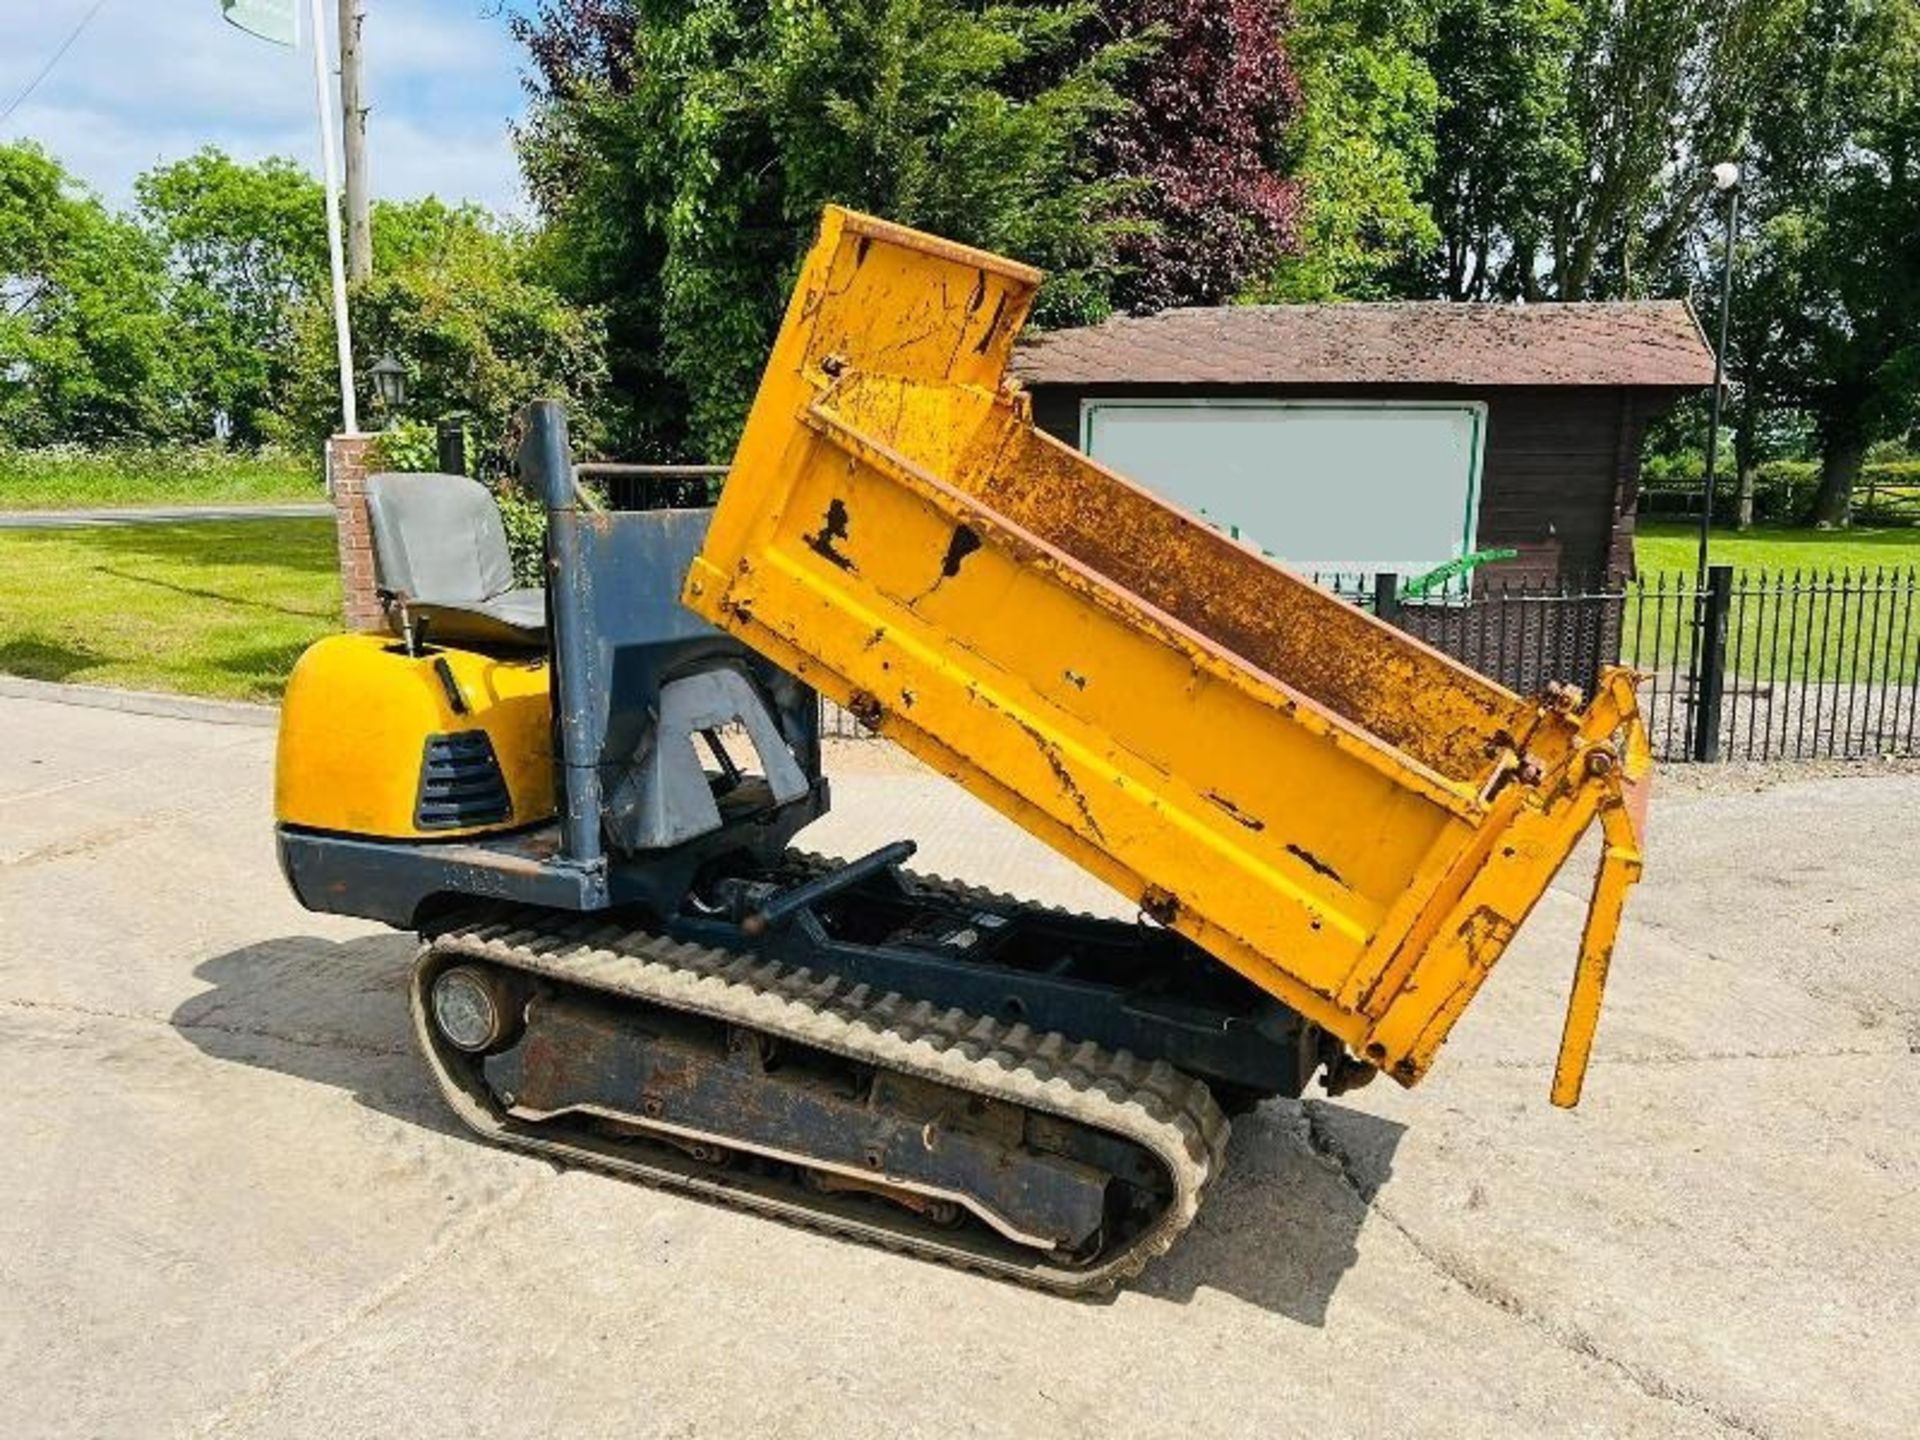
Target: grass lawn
x,y
219,609
1668,546
71,478
224,609
1839,622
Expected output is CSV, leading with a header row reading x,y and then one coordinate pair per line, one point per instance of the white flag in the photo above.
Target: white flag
x,y
269,19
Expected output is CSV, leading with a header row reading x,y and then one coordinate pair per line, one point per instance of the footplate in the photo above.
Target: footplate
x,y
957,1137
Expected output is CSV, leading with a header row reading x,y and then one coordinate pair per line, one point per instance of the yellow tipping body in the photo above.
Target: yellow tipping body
x,y
356,720
1345,816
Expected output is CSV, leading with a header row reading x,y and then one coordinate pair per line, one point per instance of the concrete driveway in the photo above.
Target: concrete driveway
x,y
231,1203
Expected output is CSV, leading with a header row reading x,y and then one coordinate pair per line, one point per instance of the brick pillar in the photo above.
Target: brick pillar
x,y
347,473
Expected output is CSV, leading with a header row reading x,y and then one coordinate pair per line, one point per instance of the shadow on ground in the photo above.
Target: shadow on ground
x,y
264,667
1279,1230
304,545
1283,1223
40,659
219,597
331,1012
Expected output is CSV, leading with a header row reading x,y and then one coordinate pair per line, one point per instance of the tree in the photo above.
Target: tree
x,y
245,244
1660,90
413,232
1204,134
454,294
1362,147
681,153
1503,140
215,298
85,340
1836,257
1576,136
457,301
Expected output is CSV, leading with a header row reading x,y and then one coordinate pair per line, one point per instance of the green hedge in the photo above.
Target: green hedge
x,y
59,477
1782,491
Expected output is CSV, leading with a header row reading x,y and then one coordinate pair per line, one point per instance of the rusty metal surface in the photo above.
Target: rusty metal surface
x,y
1349,819
1079,1090
1407,695
691,1082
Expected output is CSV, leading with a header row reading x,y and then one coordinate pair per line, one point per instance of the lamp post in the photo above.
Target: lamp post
x,y
390,383
1726,180
1712,587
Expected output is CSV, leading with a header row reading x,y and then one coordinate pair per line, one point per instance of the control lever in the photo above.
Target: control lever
x,y
413,633
780,908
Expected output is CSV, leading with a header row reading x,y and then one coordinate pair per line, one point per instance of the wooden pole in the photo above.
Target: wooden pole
x,y
353,112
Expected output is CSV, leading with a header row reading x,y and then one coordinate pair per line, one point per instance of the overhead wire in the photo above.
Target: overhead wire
x,y
52,60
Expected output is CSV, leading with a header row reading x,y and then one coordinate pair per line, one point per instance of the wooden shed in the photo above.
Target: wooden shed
x,y
1361,437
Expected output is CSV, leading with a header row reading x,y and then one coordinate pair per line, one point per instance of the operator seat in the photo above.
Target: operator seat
x,y
441,553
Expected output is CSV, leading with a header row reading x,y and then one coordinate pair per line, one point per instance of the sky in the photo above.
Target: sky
x,y
155,80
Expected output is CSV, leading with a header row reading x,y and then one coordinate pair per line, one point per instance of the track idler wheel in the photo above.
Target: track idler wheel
x,y
477,1008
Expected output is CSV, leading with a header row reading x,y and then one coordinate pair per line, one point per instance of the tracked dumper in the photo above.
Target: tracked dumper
x,y
584,800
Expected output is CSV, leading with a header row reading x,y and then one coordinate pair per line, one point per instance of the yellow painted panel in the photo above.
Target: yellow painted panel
x,y
354,726
1347,817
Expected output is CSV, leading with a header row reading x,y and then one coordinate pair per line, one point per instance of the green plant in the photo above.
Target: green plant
x,y
87,350
410,446
1827,320
480,335
1783,490
243,244
682,153
525,519
130,473
1362,147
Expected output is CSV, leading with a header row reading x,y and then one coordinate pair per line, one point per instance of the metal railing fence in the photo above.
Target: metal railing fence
x,y
1756,664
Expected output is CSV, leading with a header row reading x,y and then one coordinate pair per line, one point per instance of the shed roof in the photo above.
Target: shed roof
x,y
1651,343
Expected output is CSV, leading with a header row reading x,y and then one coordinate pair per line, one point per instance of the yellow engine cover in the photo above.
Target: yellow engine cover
x,y
362,719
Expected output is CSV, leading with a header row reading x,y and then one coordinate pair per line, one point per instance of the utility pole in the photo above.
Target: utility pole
x,y
353,112
336,263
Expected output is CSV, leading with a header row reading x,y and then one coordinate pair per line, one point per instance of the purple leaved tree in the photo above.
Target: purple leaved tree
x,y
1211,106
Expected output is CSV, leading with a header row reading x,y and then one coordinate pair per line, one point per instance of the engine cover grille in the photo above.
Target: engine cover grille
x,y
460,783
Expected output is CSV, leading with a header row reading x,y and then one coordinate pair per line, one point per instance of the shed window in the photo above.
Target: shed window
x,y
1337,489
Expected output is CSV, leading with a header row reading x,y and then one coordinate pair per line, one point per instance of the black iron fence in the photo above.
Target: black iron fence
x,y
1754,665
1796,664
1525,634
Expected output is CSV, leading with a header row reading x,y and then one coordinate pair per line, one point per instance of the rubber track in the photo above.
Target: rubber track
x,y
1170,1114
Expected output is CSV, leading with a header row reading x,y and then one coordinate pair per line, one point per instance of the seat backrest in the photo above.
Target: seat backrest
x,y
438,538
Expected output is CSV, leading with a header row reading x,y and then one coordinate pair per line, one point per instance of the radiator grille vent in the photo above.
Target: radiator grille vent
x,y
460,783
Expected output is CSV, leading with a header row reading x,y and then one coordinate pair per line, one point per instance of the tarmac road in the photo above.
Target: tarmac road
x,y
231,1203
156,515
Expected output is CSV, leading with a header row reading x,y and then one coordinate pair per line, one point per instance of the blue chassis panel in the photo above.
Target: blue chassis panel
x,y
1238,1037
401,882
